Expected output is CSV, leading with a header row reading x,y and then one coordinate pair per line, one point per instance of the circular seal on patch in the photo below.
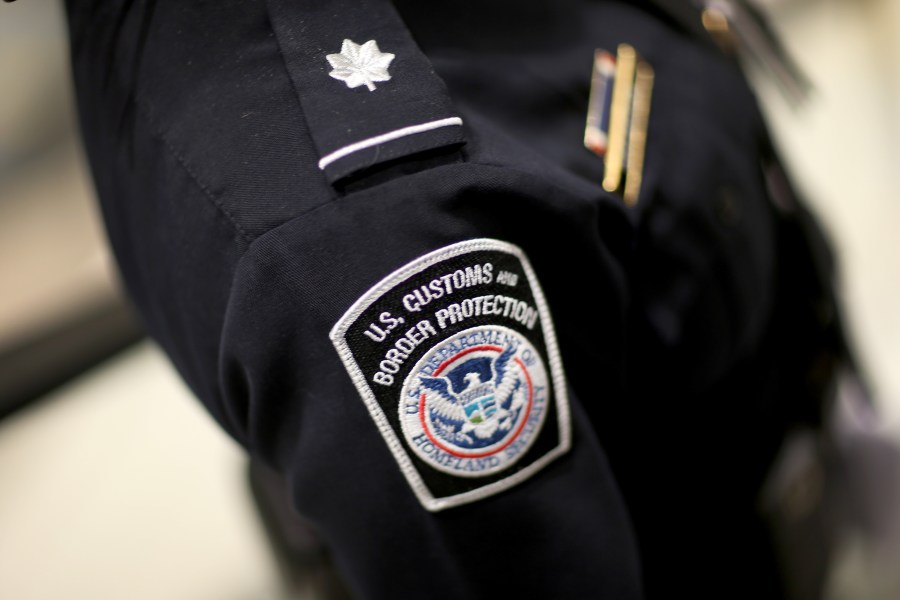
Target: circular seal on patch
x,y
475,403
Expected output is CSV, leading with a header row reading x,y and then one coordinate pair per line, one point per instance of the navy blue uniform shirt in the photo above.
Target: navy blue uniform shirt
x,y
389,270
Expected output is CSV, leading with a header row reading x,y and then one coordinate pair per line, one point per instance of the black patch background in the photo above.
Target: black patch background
x,y
368,354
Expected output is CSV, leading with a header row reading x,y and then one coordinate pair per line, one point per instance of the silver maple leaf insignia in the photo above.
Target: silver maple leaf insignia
x,y
360,65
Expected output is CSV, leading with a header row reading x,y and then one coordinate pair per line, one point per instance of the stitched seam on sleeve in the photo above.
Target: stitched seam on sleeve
x,y
145,112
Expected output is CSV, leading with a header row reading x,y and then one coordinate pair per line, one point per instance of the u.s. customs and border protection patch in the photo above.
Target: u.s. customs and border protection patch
x,y
456,359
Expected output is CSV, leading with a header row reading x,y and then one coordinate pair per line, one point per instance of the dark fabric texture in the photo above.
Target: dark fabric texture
x,y
204,125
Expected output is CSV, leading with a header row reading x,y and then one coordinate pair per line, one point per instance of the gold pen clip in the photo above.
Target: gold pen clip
x,y
618,116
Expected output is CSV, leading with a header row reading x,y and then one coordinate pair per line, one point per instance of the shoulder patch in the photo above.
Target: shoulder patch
x,y
455,357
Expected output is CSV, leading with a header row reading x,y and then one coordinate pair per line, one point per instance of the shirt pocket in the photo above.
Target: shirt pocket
x,y
703,264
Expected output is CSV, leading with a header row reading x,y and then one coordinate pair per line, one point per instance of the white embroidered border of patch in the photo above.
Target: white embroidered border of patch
x,y
337,336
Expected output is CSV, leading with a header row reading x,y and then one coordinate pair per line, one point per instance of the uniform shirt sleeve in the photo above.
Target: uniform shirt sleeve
x,y
241,257
304,414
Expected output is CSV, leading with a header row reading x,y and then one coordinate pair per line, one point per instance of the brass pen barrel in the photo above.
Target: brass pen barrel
x,y
620,113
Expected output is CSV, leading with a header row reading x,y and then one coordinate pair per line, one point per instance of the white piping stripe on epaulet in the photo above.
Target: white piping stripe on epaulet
x,y
386,137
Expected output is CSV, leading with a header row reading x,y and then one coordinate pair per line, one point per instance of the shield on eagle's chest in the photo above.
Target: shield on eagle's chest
x,y
480,409
473,377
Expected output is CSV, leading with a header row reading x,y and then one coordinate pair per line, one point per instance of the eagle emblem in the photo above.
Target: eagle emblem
x,y
478,402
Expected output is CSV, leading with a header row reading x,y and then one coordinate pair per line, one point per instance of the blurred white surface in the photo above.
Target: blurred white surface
x,y
120,486
53,255
843,148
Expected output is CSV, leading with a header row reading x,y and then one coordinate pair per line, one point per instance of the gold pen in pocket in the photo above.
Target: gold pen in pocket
x,y
618,117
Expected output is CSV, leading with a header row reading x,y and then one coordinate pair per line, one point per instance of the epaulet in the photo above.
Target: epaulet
x,y
368,92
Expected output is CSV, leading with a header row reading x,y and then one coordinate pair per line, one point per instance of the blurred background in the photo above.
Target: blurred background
x,y
113,481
